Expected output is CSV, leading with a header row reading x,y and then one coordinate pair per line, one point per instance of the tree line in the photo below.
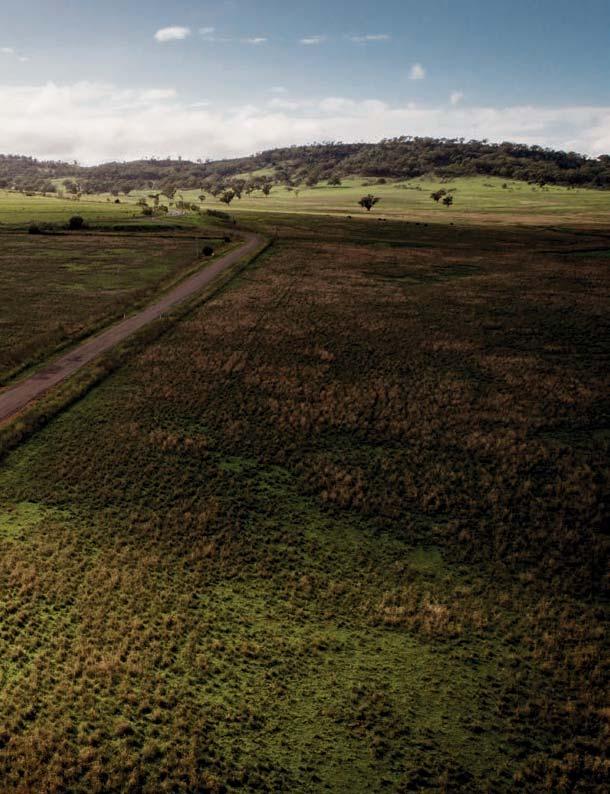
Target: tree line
x,y
404,157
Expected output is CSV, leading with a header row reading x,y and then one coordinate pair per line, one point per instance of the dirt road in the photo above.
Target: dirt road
x,y
16,397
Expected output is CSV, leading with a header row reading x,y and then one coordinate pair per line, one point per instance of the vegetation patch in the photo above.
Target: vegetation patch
x,y
56,290
326,532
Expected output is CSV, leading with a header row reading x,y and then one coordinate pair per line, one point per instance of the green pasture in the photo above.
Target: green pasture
x,y
18,209
476,199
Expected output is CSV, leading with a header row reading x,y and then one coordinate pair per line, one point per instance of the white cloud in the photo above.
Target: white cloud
x,y
256,40
12,52
290,104
208,34
92,122
211,36
417,72
174,33
313,40
456,97
370,37
158,94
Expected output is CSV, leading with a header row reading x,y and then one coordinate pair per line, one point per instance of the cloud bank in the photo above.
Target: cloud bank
x,y
94,122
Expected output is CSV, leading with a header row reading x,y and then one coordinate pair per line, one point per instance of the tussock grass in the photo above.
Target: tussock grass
x,y
343,528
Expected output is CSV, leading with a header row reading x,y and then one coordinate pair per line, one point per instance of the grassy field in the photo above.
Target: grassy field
x,y
17,209
57,288
476,200
340,529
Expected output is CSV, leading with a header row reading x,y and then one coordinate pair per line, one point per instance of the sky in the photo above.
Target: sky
x,y
94,81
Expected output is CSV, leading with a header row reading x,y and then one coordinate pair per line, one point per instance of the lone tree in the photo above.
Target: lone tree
x,y
438,195
266,188
335,181
448,201
227,197
368,202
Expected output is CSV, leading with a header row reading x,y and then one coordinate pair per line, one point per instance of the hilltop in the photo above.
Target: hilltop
x,y
393,159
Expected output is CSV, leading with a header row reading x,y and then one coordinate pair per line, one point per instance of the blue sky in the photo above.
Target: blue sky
x,y
89,80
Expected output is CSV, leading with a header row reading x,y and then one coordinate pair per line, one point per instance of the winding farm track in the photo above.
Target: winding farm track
x,y
15,398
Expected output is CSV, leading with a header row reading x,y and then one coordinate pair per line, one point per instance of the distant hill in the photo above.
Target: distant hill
x,y
397,158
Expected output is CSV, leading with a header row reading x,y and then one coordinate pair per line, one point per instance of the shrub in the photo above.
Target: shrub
x,y
34,229
208,250
76,222
147,211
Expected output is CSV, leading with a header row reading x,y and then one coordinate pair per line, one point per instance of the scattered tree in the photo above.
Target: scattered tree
x,y
368,202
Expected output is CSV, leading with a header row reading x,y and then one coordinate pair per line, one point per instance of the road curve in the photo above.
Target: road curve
x,y
16,397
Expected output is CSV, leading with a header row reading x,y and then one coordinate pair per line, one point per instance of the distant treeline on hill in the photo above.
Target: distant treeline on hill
x,y
396,158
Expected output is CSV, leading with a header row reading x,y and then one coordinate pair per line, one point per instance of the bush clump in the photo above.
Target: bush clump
x,y
208,250
76,222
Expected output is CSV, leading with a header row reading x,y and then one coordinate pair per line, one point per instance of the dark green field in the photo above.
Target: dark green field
x,y
341,529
